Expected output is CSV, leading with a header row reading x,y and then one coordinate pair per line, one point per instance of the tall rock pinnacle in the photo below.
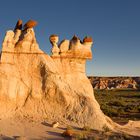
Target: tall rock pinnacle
x,y
38,85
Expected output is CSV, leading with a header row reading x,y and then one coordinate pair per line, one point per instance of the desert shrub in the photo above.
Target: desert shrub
x,y
106,128
118,103
127,137
86,128
68,132
120,111
81,136
109,111
138,86
69,127
120,136
131,108
139,108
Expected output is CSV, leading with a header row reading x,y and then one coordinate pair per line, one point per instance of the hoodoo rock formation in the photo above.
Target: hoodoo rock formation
x,y
34,84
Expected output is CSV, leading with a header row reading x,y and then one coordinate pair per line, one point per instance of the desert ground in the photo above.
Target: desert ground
x,y
119,104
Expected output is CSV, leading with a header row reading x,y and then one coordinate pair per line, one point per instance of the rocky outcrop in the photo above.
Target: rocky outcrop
x,y
41,86
115,82
36,85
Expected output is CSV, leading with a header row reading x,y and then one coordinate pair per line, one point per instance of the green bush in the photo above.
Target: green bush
x,y
109,111
118,103
106,128
86,128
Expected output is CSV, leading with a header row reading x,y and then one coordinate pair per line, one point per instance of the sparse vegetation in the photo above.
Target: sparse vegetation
x,y
86,128
105,128
120,105
89,134
69,132
81,136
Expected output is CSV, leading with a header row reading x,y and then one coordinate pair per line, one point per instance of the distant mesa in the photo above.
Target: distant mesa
x,y
115,82
30,24
18,25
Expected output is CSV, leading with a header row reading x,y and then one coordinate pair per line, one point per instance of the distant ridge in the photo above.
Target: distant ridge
x,y
115,82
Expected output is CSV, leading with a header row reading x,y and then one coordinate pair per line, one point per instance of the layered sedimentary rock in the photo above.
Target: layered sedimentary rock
x,y
115,82
34,84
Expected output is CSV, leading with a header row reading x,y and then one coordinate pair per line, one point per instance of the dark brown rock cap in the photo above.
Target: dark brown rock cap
x,y
87,39
30,24
53,38
18,25
75,38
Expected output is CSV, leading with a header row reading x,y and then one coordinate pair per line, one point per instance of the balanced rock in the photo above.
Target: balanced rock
x,y
39,85
54,38
18,25
87,39
30,24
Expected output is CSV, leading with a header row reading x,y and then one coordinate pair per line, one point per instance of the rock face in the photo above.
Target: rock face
x,y
34,84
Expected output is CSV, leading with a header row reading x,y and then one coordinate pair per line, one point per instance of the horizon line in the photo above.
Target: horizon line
x,y
112,76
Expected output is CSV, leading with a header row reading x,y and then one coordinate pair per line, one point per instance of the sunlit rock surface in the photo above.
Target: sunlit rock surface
x,y
34,84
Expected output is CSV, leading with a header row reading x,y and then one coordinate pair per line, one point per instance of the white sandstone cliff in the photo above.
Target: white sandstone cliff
x,y
34,84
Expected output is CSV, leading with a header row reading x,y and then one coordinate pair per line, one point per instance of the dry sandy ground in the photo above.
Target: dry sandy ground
x,y
28,130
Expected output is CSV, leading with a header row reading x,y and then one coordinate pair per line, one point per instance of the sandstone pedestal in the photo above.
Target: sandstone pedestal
x,y
34,84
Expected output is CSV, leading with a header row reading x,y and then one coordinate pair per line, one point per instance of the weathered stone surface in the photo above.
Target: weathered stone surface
x,y
38,85
34,84
64,47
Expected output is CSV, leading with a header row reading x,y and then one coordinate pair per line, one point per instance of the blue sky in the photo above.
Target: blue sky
x,y
113,24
